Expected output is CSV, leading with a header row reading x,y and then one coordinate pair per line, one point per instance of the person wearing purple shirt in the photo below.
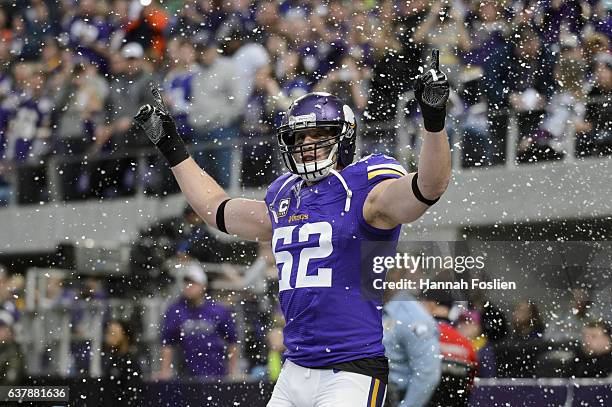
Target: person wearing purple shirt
x,y
89,33
178,89
203,329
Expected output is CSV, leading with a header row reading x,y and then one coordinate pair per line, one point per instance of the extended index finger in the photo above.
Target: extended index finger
x,y
157,99
435,59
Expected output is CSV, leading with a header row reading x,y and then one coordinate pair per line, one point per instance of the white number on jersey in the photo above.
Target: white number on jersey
x,y
284,258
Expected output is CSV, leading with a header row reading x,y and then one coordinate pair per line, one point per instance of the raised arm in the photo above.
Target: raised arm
x,y
243,217
246,218
405,199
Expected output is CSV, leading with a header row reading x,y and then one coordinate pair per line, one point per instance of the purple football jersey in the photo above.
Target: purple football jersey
x,y
317,234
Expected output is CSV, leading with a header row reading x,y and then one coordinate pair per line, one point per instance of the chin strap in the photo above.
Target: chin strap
x,y
349,193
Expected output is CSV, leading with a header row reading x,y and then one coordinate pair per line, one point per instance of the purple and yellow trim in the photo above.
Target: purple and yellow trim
x,y
376,395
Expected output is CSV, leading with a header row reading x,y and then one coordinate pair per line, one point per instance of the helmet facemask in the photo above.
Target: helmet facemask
x,y
313,160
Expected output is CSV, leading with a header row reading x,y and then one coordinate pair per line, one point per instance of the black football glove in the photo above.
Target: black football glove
x,y
159,126
431,90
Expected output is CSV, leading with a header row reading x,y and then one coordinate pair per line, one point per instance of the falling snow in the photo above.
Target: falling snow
x,y
113,285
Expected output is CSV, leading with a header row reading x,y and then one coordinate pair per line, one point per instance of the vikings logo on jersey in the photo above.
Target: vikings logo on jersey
x,y
317,232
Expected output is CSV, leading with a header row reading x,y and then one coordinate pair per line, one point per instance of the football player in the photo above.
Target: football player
x,y
316,217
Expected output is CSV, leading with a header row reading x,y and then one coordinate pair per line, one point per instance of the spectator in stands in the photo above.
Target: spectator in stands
x,y
37,24
7,301
57,293
389,73
595,354
249,57
28,131
259,288
566,325
217,106
17,289
472,119
345,82
259,278
597,137
532,85
89,32
489,50
129,88
5,89
11,358
88,312
292,79
29,122
119,18
52,60
203,16
178,89
267,19
459,360
565,109
559,16
360,44
493,320
9,310
469,325
202,329
594,43
120,367
602,18
263,107
195,239
411,340
147,29
80,104
444,29
526,321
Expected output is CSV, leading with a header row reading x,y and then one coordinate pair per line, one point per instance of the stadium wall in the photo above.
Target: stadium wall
x,y
550,192
505,392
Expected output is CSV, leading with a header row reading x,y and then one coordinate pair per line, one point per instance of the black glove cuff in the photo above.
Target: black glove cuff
x,y
433,118
172,147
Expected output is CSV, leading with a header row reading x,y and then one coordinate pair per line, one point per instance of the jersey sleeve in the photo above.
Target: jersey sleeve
x,y
379,167
363,176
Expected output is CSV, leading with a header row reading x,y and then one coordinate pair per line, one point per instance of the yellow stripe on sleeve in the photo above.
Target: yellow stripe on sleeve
x,y
376,173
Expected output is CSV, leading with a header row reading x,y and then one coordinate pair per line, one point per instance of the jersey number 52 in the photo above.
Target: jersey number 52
x,y
285,258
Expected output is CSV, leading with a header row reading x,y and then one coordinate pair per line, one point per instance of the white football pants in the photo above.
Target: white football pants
x,y
299,386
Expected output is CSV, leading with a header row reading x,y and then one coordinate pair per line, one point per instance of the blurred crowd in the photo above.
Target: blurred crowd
x,y
73,74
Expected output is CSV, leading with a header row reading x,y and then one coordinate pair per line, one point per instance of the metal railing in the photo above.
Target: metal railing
x,y
50,340
52,164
